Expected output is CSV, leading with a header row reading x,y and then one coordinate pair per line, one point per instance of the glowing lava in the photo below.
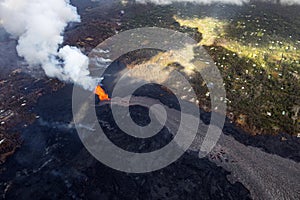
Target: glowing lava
x,y
101,94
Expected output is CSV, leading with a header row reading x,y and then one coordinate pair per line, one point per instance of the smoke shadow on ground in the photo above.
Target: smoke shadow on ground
x,y
284,149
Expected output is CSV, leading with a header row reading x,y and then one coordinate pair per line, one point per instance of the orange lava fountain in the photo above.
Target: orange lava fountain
x,y
101,94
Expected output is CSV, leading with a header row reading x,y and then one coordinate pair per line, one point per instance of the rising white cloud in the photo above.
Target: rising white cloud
x,y
39,25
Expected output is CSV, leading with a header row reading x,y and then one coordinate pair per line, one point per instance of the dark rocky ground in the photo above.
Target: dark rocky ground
x,y
53,164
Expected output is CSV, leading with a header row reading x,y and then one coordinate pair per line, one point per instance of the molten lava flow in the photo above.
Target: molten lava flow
x,y
101,94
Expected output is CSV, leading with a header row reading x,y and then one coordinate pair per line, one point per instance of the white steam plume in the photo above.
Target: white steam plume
x,y
237,2
39,25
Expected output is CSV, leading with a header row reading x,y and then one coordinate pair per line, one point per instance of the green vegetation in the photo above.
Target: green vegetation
x,y
261,74
257,51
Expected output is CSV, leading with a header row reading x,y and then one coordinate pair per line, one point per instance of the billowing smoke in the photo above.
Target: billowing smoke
x,y
237,2
39,25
